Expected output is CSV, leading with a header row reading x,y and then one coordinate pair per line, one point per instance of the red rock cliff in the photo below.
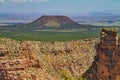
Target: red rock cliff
x,y
107,61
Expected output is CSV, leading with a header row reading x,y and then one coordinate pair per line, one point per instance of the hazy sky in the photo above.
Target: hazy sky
x,y
59,6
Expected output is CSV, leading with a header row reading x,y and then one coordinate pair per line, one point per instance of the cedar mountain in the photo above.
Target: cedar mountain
x,y
57,23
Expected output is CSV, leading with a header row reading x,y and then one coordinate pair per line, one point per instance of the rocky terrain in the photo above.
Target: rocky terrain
x,y
34,60
106,65
70,60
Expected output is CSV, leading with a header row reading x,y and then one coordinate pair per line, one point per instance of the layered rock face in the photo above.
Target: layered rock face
x,y
34,60
106,65
15,68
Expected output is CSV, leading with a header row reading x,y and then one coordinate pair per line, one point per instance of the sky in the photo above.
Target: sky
x,y
72,7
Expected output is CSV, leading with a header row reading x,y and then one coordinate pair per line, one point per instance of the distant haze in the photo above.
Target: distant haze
x,y
82,11
58,7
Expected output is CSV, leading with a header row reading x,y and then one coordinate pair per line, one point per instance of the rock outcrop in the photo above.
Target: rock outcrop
x,y
14,69
106,65
34,60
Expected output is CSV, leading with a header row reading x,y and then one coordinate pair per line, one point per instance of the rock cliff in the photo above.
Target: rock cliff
x,y
106,65
34,60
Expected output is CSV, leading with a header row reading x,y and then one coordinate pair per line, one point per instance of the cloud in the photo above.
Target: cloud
x,y
28,0
22,1
1,1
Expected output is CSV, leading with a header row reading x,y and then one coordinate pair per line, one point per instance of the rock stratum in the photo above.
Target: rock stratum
x,y
106,65
34,60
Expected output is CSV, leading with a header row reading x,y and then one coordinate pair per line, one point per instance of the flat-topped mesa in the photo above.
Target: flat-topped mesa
x,y
109,37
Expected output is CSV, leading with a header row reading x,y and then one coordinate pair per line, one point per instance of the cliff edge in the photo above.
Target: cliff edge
x,y
106,65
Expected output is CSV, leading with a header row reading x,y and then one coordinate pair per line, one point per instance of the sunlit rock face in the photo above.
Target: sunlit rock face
x,y
35,60
106,65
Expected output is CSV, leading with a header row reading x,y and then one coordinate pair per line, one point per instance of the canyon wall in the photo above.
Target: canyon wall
x,y
106,65
34,60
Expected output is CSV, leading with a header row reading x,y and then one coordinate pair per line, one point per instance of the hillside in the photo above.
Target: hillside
x,y
56,22
34,60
